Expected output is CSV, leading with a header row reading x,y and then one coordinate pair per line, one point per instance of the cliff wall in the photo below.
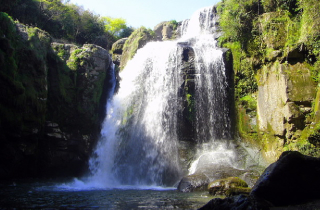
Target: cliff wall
x,y
52,102
276,64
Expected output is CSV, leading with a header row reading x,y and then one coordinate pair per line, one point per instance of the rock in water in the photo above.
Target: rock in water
x,y
193,182
293,179
228,186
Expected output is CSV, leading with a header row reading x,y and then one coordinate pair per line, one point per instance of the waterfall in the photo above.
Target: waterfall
x,y
144,125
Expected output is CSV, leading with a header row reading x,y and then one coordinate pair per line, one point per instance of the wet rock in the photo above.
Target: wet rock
x,y
228,186
203,176
117,50
293,179
186,117
193,182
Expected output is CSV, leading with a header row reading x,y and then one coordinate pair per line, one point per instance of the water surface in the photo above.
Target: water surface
x,y
46,195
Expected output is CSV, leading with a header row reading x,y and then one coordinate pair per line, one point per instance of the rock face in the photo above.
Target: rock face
x,y
186,118
52,102
164,31
89,67
282,106
281,103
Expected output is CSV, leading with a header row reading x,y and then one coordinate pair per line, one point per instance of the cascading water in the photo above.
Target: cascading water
x,y
142,130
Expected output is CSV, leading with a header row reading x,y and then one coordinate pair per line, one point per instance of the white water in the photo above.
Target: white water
x,y
140,144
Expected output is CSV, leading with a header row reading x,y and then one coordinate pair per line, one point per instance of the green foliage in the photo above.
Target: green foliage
x,y
174,24
236,18
114,25
310,25
67,21
7,25
266,33
126,32
256,38
249,102
276,5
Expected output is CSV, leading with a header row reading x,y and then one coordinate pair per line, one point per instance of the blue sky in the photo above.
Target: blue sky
x,y
146,13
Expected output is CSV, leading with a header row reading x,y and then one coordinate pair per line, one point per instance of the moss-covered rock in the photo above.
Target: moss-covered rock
x,y
51,102
275,47
136,40
282,106
228,186
165,30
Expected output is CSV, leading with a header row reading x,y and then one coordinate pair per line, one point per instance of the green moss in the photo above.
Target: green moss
x,y
8,28
190,107
136,40
75,60
249,101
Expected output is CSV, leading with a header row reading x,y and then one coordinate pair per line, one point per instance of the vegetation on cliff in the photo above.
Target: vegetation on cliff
x,y
45,85
68,21
282,36
136,40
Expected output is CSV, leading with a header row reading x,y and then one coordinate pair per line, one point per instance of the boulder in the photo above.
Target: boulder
x,y
293,179
193,182
228,186
163,31
203,176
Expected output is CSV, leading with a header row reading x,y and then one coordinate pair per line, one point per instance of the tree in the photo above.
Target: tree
x,y
126,32
114,25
